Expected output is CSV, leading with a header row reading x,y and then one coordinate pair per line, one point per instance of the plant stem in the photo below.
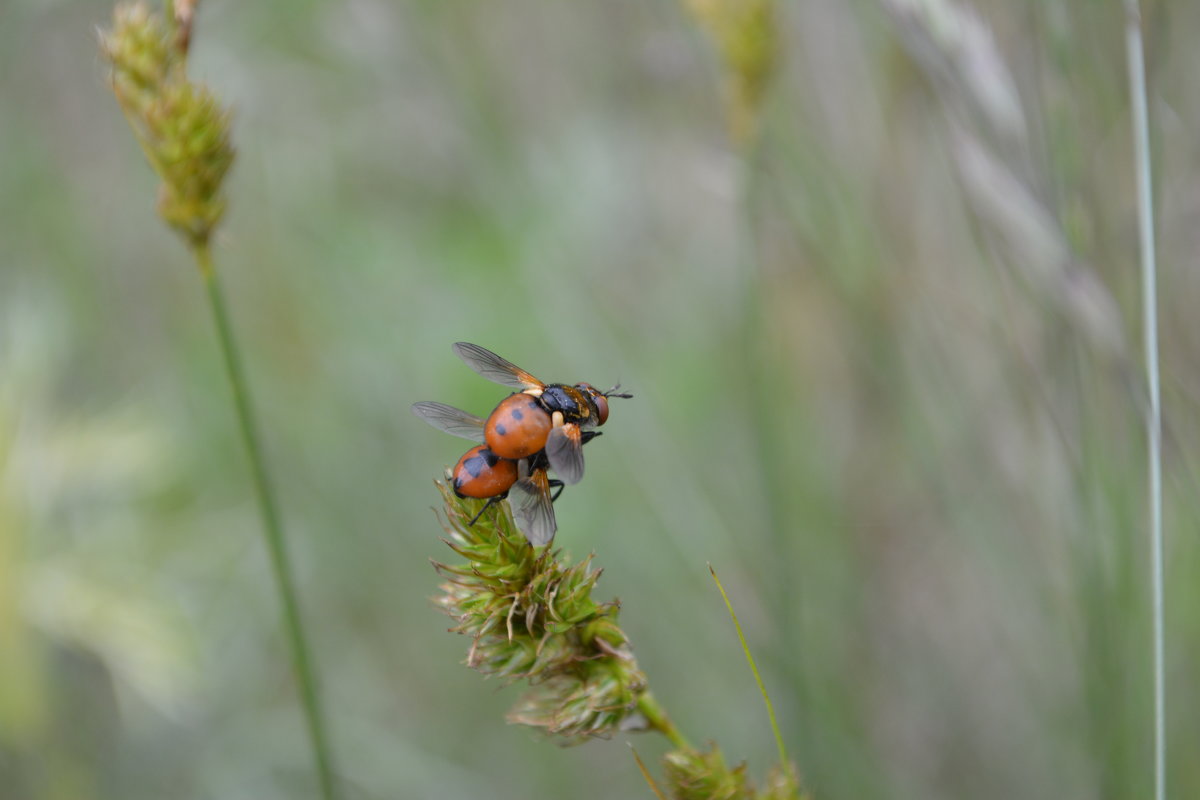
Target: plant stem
x,y
783,759
1141,147
660,722
272,527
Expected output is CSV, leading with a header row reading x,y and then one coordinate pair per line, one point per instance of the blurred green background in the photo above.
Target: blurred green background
x,y
886,363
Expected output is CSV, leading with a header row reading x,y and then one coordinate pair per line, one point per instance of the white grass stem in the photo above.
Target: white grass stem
x,y
1141,144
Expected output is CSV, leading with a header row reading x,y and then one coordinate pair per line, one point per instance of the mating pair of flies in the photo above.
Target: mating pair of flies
x,y
542,426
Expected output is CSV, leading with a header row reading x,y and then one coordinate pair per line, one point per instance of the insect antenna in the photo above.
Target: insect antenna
x,y
615,392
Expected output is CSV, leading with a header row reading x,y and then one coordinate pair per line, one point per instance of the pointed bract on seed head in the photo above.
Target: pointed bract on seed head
x,y
181,125
532,617
595,698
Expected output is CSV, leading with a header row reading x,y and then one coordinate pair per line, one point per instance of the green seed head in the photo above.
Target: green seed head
x,y
703,775
532,617
181,126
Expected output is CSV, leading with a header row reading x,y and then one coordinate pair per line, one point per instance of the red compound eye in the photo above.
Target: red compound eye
x,y
602,407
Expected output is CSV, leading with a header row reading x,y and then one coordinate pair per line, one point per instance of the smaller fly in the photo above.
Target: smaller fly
x,y
482,474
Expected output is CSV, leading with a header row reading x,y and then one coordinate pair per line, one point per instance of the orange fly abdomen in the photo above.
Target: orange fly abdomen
x,y
517,428
480,473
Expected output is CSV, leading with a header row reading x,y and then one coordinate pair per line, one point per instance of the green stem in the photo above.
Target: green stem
x,y
660,722
272,527
783,759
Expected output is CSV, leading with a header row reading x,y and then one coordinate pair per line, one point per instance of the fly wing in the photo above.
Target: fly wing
x,y
564,449
535,510
495,368
452,420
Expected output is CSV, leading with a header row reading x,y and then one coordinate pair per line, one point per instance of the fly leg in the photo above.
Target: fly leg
x,y
491,502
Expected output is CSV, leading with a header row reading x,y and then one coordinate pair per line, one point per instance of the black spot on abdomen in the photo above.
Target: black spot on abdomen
x,y
476,464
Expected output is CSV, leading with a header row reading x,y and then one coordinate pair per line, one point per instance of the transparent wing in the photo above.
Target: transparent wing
x,y
495,368
564,450
534,508
452,420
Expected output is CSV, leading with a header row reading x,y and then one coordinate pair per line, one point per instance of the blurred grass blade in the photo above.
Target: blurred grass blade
x,y
1141,146
991,152
753,668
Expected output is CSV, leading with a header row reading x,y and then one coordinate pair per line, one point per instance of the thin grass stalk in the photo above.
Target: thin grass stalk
x,y
272,527
1141,151
783,759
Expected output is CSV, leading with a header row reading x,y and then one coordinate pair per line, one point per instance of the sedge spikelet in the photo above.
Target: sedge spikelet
x,y
532,617
783,784
703,775
181,126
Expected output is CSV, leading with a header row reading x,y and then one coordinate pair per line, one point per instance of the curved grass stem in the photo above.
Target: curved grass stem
x,y
272,527
783,760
